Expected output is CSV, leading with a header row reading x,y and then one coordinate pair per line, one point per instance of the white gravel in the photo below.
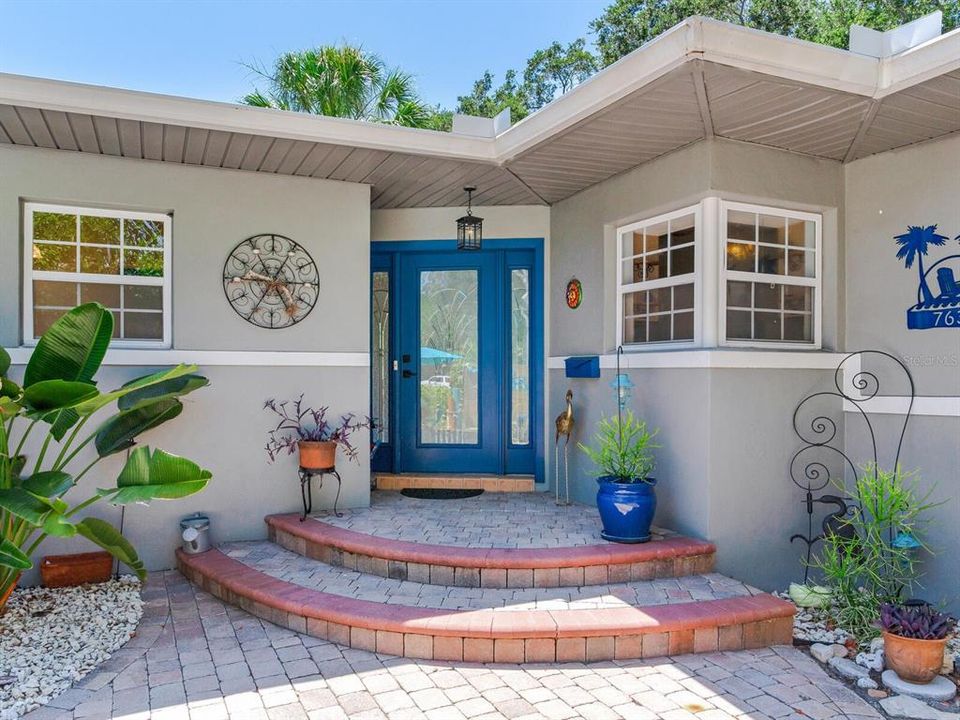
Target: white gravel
x,y
50,638
814,625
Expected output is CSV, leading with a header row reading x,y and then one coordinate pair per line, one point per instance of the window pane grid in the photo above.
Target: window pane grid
x,y
771,283
656,279
115,258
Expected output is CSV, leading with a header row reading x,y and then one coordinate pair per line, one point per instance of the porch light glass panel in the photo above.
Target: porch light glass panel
x,y
520,356
88,256
380,372
657,278
771,267
449,343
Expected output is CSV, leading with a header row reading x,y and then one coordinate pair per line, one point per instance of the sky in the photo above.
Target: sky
x,y
201,48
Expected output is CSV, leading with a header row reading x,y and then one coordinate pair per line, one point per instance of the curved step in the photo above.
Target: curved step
x,y
672,556
487,635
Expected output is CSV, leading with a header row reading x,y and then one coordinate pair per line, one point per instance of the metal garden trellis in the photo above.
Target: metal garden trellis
x,y
820,442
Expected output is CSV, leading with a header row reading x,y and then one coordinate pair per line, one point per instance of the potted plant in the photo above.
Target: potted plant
x,y
58,399
914,637
308,431
622,453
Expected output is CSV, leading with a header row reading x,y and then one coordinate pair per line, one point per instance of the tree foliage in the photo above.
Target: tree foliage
x,y
625,25
549,73
342,81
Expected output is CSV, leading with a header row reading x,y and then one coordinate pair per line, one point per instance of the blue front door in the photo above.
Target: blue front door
x,y
467,361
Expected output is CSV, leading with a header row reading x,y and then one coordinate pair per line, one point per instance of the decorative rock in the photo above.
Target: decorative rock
x,y
941,689
866,683
848,668
876,645
871,661
904,706
822,652
50,638
877,694
948,662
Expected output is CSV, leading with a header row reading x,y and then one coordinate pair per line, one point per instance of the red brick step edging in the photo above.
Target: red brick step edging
x,y
495,635
674,556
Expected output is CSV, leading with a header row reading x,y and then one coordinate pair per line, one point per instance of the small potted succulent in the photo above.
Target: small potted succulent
x,y
308,431
914,637
623,456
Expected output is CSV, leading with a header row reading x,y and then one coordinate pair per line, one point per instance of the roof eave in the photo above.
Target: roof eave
x,y
703,38
79,98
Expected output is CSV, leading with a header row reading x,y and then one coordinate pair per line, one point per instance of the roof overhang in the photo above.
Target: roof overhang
x,y
700,79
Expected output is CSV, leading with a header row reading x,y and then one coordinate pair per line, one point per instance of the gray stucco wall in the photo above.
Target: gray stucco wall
x,y
726,434
918,185
213,210
223,426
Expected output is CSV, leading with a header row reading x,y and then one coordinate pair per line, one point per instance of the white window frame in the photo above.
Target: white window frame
x,y
30,274
815,282
695,277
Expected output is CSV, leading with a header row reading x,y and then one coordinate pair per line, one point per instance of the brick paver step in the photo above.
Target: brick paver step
x,y
273,560
479,543
501,635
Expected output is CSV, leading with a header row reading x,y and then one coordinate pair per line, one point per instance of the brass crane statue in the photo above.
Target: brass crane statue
x,y
564,423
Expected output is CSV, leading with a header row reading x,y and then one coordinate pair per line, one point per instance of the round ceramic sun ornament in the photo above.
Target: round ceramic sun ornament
x,y
574,294
271,281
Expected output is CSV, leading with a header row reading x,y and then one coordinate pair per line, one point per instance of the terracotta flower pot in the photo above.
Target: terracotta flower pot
x,y
317,455
916,661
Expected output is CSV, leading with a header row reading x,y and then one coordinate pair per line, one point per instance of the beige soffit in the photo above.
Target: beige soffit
x,y
700,79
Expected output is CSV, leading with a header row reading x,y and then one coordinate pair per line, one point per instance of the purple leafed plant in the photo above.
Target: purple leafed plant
x,y
919,622
299,423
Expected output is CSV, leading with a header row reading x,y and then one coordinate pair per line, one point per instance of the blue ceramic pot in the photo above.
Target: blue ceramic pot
x,y
626,509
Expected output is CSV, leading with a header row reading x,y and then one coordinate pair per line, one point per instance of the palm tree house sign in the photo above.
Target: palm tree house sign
x,y
938,293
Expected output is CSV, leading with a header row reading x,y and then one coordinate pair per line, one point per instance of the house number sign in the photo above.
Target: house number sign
x,y
938,292
271,281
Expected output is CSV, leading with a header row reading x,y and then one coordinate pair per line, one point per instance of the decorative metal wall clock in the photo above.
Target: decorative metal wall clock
x,y
271,281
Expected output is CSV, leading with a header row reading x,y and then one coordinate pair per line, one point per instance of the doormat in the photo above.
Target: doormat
x,y
439,493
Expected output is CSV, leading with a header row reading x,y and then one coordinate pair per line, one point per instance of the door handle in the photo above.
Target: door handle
x,y
409,374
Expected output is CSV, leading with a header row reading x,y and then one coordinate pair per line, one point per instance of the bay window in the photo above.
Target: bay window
x,y
764,263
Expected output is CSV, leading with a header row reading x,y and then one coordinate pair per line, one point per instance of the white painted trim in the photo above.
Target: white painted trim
x,y
221,358
719,359
166,282
931,405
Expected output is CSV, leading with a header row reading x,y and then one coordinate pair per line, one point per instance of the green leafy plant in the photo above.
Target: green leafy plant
x,y
623,449
864,566
58,395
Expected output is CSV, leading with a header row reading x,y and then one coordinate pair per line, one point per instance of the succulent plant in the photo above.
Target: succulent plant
x,y
919,622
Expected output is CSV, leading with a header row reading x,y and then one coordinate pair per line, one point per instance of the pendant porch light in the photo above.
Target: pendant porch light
x,y
469,227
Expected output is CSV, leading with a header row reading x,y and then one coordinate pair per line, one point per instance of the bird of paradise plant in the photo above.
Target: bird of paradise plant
x,y
913,245
59,395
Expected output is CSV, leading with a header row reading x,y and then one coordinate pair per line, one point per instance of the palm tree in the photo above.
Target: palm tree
x,y
913,244
341,81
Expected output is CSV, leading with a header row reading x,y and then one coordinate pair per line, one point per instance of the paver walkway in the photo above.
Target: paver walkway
x,y
484,521
197,659
285,565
